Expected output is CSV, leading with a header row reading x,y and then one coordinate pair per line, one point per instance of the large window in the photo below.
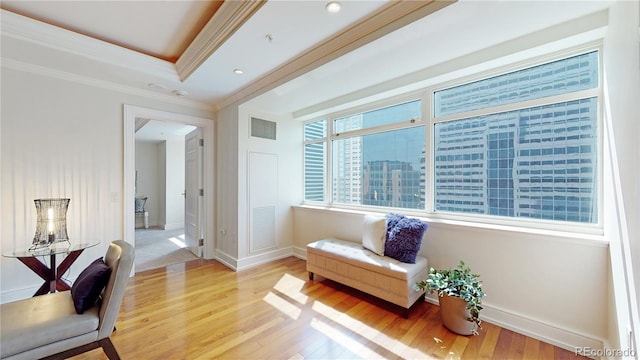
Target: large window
x,y
514,159
520,145
377,158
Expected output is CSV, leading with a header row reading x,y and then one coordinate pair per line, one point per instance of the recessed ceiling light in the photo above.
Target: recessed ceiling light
x,y
157,86
238,71
333,7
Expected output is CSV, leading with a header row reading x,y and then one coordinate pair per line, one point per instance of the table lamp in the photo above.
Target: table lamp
x,y
51,225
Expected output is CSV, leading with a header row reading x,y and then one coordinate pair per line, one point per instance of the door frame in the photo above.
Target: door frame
x,y
132,112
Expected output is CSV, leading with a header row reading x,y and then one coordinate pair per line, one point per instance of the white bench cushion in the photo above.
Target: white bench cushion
x,y
351,264
41,320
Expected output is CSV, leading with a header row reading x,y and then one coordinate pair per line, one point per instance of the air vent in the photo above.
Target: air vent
x,y
263,128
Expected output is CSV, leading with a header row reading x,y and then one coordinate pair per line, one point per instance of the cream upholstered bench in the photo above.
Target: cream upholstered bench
x,y
349,263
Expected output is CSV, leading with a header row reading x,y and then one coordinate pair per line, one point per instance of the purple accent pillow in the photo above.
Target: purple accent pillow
x,y
404,240
392,220
89,284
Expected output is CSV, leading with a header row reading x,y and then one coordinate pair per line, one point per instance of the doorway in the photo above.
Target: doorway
x,y
136,118
161,234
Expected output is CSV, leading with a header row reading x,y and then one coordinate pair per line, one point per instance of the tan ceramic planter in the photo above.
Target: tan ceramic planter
x,y
454,313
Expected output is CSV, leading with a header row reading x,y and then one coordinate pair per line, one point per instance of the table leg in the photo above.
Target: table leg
x,y
64,266
51,275
47,274
54,277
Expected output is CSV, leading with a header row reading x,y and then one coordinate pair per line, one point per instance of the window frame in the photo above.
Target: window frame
x,y
332,136
428,120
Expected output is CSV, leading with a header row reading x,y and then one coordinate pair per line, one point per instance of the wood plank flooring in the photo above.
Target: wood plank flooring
x,y
203,310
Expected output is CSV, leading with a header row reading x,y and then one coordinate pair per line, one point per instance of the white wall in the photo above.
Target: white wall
x,y
61,138
160,171
147,171
622,80
227,185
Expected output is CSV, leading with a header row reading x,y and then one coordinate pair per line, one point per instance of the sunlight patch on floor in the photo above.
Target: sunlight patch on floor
x,y
288,290
283,305
292,286
179,241
365,331
345,340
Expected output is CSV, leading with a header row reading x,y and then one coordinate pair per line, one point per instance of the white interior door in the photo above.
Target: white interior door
x,y
193,184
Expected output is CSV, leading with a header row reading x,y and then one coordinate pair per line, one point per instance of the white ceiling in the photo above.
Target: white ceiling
x,y
160,30
155,131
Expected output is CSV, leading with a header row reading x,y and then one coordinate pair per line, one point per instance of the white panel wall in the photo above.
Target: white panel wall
x,y
60,138
263,201
289,185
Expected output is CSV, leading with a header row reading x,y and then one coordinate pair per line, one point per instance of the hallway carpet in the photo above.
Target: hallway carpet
x,y
158,248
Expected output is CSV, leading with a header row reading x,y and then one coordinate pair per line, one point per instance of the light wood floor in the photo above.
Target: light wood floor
x,y
202,310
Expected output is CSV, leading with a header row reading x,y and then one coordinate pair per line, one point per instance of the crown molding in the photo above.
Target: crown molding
x,y
583,31
46,35
384,21
104,84
225,22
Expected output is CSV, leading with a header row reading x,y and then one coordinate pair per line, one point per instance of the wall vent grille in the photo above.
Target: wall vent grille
x,y
263,128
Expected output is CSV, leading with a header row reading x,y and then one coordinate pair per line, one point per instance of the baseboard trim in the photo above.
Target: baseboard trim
x,y
14,295
248,262
227,260
255,260
173,226
562,338
300,253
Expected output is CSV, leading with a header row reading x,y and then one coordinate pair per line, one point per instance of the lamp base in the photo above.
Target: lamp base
x,y
46,247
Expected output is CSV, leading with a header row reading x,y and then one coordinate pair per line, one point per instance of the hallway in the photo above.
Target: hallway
x,y
157,248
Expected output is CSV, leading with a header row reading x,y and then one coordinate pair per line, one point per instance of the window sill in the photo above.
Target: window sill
x,y
559,235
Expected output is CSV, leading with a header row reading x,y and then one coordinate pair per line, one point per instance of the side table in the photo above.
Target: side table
x,y
52,275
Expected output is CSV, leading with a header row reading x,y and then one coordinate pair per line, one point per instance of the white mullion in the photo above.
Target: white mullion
x,y
377,105
379,129
315,141
329,162
429,166
577,95
600,133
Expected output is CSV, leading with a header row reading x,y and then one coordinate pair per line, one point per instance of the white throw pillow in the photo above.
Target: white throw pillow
x,y
374,233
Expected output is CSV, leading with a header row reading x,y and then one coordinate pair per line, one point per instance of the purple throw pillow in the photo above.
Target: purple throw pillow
x,y
392,220
89,284
404,240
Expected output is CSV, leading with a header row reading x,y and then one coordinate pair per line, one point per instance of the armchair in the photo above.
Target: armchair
x,y
49,327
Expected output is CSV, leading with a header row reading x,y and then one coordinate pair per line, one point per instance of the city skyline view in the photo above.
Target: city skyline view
x,y
527,162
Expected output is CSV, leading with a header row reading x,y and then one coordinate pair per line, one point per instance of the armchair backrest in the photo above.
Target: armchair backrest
x,y
119,258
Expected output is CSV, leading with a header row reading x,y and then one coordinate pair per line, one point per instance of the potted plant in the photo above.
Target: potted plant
x,y
459,294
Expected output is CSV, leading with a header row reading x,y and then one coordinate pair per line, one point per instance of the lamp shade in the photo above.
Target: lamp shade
x,y
51,223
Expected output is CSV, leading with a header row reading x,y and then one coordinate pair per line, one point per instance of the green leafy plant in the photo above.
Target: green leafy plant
x,y
459,282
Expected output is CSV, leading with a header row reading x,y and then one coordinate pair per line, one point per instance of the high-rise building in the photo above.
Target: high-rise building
x,y
391,184
523,163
